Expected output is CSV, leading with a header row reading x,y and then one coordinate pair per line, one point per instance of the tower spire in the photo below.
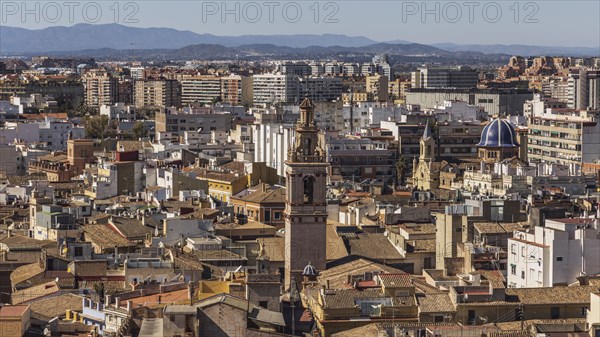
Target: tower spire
x,y
306,202
427,133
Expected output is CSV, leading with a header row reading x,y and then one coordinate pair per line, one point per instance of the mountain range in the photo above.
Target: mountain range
x,y
85,37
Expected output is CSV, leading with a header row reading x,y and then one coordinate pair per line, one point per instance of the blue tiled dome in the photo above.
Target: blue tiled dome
x,y
499,133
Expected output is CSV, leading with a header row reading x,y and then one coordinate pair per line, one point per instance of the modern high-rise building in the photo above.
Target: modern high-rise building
x,y
494,101
156,93
564,136
306,201
234,89
275,88
584,89
200,89
137,73
377,87
320,89
203,120
100,87
460,77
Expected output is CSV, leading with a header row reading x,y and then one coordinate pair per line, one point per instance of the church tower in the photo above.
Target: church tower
x,y
428,145
427,170
306,201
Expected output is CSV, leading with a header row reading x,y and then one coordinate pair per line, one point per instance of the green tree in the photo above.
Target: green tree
x,y
401,167
96,127
139,130
215,100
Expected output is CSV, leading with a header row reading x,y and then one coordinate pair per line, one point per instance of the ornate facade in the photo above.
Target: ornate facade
x,y
306,201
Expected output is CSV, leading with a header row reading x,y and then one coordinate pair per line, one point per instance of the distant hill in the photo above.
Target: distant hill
x,y
254,51
87,36
114,37
522,50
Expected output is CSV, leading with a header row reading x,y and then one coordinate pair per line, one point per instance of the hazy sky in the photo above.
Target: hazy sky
x,y
551,23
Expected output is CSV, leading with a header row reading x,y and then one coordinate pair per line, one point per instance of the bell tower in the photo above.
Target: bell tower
x,y
306,201
428,145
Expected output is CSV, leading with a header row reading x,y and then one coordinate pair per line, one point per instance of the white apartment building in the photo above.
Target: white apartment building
x,y
460,77
564,136
321,89
201,89
316,69
118,111
275,88
156,93
24,132
365,114
271,144
137,73
55,133
100,88
584,89
555,254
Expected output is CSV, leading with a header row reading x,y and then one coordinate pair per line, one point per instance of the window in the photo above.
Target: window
x,y
277,215
523,274
584,311
559,259
438,318
263,304
267,215
78,251
513,269
513,248
309,182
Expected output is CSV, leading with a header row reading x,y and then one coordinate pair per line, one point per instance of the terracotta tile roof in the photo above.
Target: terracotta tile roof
x,y
369,330
399,280
16,242
272,196
421,228
422,245
216,255
373,246
263,278
13,310
132,145
35,292
26,272
495,227
346,298
130,228
273,248
336,249
494,277
434,303
552,295
173,297
49,308
105,237
338,275
235,166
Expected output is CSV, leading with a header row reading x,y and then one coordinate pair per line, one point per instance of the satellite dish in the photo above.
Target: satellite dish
x,y
46,332
161,245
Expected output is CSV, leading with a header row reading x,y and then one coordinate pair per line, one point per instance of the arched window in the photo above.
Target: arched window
x,y
307,146
309,184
